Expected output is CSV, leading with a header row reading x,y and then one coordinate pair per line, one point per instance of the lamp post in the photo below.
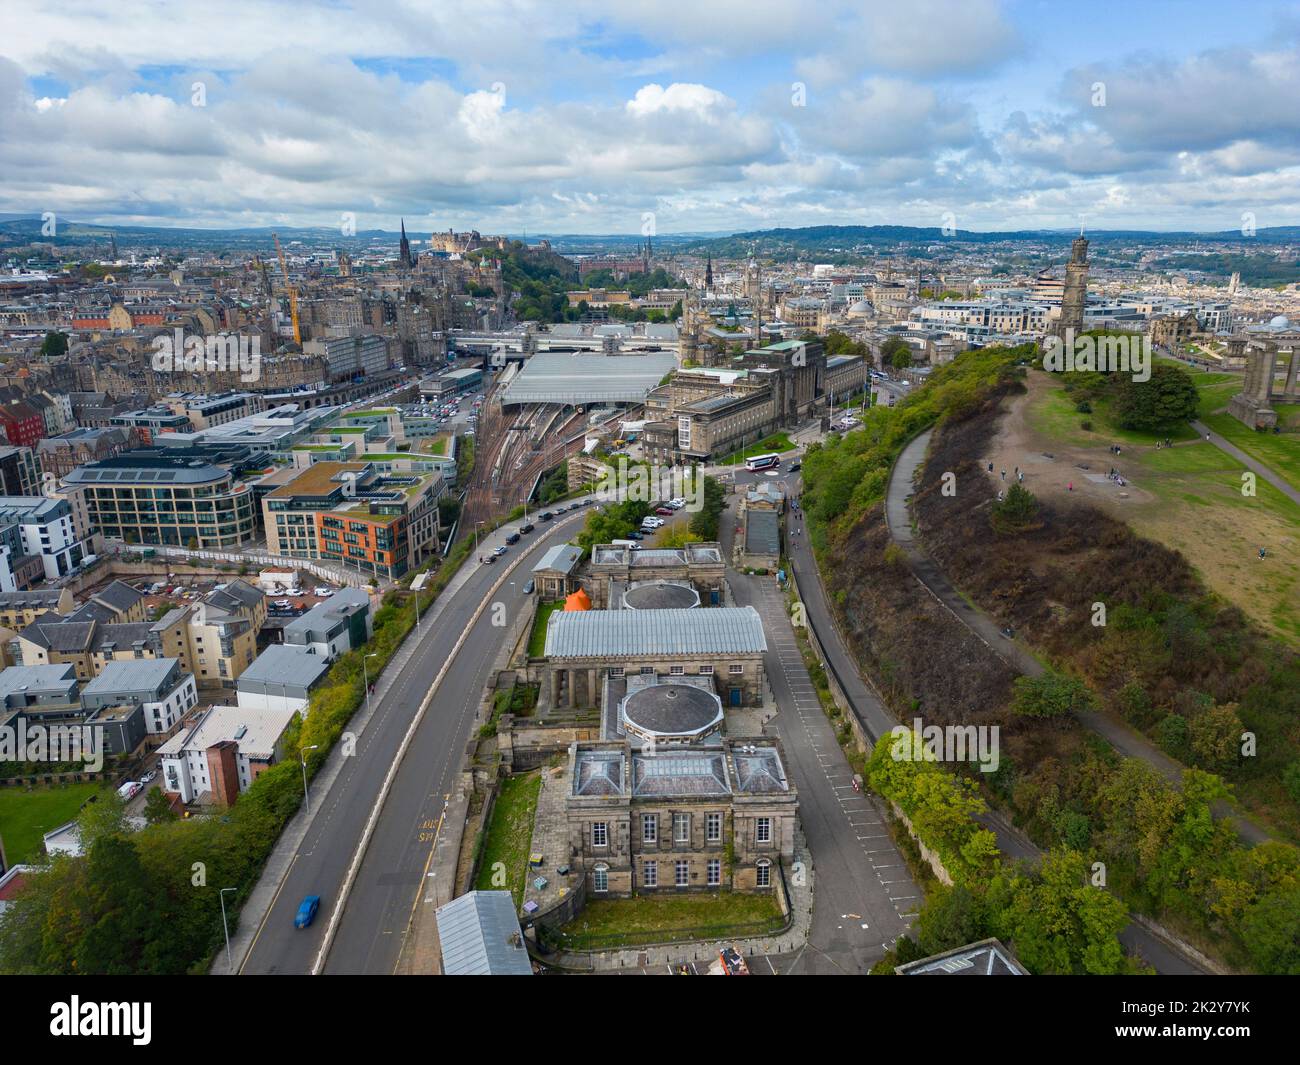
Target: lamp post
x,y
225,927
476,525
302,757
365,676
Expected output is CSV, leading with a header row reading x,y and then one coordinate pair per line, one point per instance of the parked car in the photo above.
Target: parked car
x,y
527,528
664,510
636,534
149,776
795,466
306,911
530,587
513,538
498,552
487,560
545,515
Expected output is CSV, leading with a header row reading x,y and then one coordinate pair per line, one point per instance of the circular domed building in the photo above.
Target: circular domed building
x,y
660,595
677,710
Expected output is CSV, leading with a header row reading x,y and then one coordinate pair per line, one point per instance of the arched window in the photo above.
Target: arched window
x,y
764,878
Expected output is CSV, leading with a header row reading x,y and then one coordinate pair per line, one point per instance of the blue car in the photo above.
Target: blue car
x,y
307,911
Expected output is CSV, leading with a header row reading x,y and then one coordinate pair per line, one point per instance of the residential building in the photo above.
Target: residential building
x,y
158,686
340,624
46,531
211,762
19,473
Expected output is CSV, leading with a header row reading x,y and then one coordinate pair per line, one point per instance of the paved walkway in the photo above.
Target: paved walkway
x,y
1125,740
1282,485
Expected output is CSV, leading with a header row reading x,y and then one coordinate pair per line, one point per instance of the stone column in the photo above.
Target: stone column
x,y
1293,372
1268,363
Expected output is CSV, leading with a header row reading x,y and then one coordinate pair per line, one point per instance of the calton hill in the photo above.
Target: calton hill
x,y
1125,625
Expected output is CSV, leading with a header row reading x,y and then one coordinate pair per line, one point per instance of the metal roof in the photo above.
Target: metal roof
x,y
637,633
280,665
552,377
479,936
762,532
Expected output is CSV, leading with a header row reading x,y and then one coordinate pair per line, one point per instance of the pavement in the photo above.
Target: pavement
x,y
320,846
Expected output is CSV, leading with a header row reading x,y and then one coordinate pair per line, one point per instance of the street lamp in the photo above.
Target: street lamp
x,y
302,757
226,927
476,525
365,675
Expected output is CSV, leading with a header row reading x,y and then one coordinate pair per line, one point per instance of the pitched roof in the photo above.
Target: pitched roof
x,y
635,633
479,936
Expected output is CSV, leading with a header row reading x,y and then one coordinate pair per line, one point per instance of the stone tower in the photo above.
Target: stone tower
x,y
404,259
1075,296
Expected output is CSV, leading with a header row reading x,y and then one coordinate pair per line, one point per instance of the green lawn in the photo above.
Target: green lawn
x,y
1056,417
25,816
775,442
669,918
537,639
509,835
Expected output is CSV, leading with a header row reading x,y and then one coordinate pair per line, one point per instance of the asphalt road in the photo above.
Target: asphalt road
x,y
368,939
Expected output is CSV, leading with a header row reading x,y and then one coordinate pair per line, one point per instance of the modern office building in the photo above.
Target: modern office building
x,y
46,531
167,500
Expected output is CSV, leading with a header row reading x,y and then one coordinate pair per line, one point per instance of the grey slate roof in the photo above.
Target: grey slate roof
x,y
762,532
561,558
479,936
636,633
281,664
133,675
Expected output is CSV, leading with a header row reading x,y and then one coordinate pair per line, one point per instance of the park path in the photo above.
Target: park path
x,y
1253,464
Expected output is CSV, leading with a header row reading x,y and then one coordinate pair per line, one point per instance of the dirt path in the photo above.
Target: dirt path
x,y
1050,468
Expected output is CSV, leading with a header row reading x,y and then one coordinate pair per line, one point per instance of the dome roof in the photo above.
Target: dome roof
x,y
1280,322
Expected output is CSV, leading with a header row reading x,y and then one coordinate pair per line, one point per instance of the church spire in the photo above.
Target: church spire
x,y
404,249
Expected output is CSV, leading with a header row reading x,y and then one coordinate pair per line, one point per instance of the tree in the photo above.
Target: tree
x,y
896,352
1016,512
54,345
157,807
1271,932
1167,399
104,816
1051,695
1215,736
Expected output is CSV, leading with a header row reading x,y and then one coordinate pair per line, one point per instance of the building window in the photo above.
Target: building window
x,y
647,670
714,872
735,668
713,828
600,834
706,671
615,671
649,874
676,671
764,878
681,828
763,830
682,874
649,828
600,879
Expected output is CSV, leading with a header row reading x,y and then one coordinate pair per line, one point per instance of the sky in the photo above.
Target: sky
x,y
671,116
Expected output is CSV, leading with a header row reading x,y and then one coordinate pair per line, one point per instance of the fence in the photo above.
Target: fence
x,y
326,573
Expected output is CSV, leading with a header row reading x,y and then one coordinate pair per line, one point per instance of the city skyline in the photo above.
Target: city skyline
x,y
683,119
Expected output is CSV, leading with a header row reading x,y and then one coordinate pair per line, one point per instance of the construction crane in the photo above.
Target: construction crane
x,y
293,293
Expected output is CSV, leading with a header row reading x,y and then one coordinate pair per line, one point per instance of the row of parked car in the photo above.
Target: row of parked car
x,y
513,537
